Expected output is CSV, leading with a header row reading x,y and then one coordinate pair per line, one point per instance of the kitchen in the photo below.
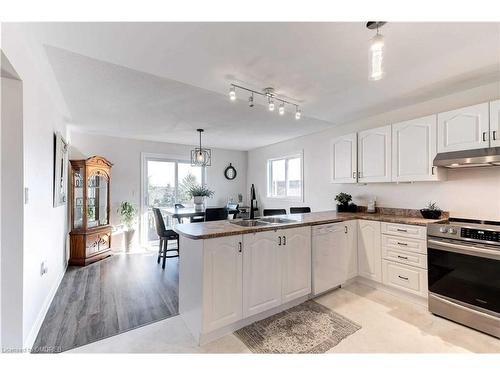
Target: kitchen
x,y
329,205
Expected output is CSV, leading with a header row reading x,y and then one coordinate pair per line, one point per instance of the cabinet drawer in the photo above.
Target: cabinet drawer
x,y
92,244
104,241
410,279
403,230
405,257
404,244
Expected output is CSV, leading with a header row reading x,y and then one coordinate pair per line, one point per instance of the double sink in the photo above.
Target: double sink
x,y
265,221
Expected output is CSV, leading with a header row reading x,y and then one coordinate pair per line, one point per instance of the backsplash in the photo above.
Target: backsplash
x,y
407,212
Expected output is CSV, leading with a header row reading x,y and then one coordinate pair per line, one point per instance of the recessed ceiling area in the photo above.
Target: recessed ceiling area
x,y
161,81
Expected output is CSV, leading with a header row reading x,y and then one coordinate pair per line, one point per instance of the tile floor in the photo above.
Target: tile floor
x,y
390,324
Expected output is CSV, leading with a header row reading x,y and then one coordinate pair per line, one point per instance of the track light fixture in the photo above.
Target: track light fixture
x,y
268,92
281,109
232,93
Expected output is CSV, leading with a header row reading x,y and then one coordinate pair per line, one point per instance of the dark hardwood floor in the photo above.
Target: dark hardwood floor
x,y
109,297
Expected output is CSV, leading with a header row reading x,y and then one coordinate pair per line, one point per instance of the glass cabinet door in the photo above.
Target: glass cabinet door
x,y
97,200
78,203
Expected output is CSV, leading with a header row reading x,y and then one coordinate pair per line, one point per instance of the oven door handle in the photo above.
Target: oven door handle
x,y
464,249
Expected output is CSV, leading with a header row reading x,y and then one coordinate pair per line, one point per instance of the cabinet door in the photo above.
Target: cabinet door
x,y
222,280
352,248
296,261
495,123
464,128
330,263
261,272
344,168
369,252
414,146
374,155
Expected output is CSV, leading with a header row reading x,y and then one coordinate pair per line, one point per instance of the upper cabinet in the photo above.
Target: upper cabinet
x,y
374,155
344,165
464,128
495,123
413,150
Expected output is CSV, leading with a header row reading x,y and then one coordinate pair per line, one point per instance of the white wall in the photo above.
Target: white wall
x,y
125,154
466,193
45,229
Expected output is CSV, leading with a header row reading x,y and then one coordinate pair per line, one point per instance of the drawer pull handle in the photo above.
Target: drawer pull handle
x,y
401,257
402,277
279,237
239,247
401,230
402,243
284,240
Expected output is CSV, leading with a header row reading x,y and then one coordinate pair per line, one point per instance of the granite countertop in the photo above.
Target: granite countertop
x,y
213,229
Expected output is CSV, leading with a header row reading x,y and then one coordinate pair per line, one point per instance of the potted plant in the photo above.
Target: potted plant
x,y
343,203
432,211
128,213
199,192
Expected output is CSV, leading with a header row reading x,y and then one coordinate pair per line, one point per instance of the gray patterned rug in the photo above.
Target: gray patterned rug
x,y
306,328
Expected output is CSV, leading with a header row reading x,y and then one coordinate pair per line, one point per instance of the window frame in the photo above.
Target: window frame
x,y
286,197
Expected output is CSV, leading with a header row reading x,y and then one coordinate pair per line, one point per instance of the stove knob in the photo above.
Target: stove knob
x,y
452,231
443,229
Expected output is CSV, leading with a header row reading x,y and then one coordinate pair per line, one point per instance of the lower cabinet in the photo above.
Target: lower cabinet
x,y
276,268
296,263
407,278
222,281
261,272
369,250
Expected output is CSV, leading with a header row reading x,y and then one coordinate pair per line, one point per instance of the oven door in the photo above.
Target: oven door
x,y
465,272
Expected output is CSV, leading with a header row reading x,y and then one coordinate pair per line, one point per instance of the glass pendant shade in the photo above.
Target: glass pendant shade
x,y
376,57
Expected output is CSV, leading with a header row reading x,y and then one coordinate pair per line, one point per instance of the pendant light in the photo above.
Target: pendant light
x,y
201,157
376,52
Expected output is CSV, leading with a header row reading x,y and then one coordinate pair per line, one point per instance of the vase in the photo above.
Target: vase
x,y
129,239
198,203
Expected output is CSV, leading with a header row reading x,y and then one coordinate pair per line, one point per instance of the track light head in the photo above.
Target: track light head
x,y
232,93
298,113
250,101
271,104
281,109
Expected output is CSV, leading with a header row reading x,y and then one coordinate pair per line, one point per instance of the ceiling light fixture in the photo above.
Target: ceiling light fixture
x,y
376,51
269,93
232,93
281,109
298,113
201,157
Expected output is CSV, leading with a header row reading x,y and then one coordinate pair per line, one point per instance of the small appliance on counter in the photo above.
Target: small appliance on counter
x,y
463,259
372,205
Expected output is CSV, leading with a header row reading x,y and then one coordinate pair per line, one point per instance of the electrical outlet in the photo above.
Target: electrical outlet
x,y
43,268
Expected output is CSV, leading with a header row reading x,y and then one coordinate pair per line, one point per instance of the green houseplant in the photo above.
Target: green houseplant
x,y
432,211
343,203
128,214
199,192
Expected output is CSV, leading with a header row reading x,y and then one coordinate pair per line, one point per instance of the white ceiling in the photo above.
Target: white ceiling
x,y
160,81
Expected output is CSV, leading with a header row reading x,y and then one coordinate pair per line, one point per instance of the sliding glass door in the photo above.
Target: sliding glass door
x,y
166,182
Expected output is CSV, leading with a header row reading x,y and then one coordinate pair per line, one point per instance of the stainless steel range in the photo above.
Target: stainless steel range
x,y
463,258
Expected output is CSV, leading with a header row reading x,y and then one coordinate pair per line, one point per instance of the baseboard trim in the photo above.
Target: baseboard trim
x,y
29,341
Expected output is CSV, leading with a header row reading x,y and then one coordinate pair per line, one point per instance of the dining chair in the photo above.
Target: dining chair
x,y
179,205
214,214
274,211
300,210
233,207
165,235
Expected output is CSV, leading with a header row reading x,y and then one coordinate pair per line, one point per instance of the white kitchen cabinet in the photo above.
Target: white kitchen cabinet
x,y
344,163
352,248
369,250
464,128
495,123
222,280
261,272
403,277
374,155
296,261
414,146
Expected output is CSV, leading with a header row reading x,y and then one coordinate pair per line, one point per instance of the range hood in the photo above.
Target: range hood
x,y
481,157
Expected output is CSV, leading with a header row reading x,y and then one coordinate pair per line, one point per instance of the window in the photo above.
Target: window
x,y
284,177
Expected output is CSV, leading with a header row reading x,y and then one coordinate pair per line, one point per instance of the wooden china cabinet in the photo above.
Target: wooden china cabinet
x,y
90,236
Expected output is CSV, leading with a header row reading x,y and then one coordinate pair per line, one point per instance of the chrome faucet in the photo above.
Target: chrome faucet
x,y
252,199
